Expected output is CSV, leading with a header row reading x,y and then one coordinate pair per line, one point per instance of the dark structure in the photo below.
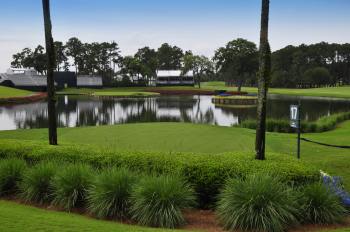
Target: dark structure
x,y
65,79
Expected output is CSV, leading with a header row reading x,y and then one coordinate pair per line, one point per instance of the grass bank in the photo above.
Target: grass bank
x,y
6,92
210,87
206,139
16,217
334,92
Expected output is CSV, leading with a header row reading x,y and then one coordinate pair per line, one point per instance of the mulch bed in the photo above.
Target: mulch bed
x,y
21,100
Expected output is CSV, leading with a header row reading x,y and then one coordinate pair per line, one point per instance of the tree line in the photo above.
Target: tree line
x,y
303,66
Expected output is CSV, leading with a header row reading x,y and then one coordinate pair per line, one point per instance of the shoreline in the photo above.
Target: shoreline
x,y
22,100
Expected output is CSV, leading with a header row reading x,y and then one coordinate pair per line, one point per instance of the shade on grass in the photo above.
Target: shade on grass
x,y
15,217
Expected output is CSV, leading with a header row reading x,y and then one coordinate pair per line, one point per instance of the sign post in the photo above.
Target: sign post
x,y
295,118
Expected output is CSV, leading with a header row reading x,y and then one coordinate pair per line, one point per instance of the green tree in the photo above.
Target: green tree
x,y
61,57
149,61
75,50
237,60
50,52
169,57
263,81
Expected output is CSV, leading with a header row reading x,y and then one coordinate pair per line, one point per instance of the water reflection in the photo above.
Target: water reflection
x,y
75,111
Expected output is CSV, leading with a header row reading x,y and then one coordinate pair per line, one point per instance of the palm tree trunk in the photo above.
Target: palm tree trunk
x,y
263,81
50,78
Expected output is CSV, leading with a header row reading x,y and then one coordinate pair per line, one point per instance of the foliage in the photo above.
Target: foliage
x,y
169,57
320,205
158,201
36,183
259,202
11,173
70,186
238,61
109,194
323,124
317,76
206,172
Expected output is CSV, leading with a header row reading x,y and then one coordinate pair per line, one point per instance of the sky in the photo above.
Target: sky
x,y
198,25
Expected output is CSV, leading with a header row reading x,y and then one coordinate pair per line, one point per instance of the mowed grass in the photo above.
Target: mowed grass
x,y
15,217
337,92
198,138
6,92
125,94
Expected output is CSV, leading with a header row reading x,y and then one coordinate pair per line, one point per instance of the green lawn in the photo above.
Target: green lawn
x,y
185,137
339,92
167,137
6,92
15,218
125,94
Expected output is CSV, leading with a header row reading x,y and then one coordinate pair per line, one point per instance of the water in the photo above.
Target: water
x,y
75,111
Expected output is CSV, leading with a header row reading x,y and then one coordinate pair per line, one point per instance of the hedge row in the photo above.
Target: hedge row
x,y
323,124
206,172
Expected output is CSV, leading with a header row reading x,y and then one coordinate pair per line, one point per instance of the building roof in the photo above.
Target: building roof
x,y
173,73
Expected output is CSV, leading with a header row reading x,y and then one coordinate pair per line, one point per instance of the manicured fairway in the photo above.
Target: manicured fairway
x,y
125,94
183,137
339,92
335,92
6,92
16,218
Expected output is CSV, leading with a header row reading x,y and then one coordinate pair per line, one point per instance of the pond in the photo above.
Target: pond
x,y
75,111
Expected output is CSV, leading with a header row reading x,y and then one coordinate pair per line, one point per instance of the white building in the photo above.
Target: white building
x,y
174,78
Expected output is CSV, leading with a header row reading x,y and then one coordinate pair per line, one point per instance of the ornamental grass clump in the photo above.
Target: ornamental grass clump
x,y
109,195
159,201
11,173
257,203
36,183
70,186
320,205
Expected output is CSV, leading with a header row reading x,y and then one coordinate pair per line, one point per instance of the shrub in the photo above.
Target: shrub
x,y
257,203
109,196
70,186
205,172
36,184
320,205
323,124
11,173
158,201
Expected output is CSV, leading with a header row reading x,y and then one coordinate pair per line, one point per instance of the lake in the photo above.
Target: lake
x,y
76,111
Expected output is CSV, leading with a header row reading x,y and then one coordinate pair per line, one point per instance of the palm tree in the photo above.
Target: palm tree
x,y
263,81
50,79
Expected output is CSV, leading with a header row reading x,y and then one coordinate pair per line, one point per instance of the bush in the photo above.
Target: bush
x,y
109,196
36,184
158,201
11,173
257,203
320,205
70,186
205,172
323,124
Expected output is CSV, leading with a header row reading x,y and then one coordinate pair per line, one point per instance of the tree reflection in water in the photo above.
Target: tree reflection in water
x,y
76,111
